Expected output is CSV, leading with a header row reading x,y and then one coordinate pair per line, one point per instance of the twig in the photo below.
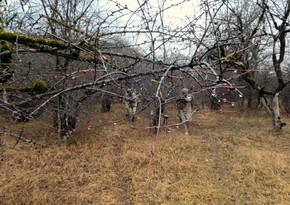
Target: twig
x,y
19,137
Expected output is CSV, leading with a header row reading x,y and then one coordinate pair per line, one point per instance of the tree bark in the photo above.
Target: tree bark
x,y
57,47
276,113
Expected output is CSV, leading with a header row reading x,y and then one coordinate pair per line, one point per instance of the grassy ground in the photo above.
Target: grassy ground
x,y
228,158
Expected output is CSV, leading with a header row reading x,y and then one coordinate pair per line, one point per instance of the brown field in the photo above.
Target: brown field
x,y
228,158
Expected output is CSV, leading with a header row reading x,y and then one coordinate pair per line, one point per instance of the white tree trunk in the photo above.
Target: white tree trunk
x,y
276,113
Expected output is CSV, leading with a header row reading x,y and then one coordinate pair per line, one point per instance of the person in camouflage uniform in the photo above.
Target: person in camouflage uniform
x,y
184,106
131,101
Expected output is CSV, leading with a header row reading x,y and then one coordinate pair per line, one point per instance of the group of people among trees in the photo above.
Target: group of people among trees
x,y
184,104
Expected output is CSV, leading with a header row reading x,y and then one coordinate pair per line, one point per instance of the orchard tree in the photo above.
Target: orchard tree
x,y
79,51
246,32
277,17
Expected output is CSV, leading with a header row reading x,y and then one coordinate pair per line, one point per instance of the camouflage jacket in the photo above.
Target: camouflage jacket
x,y
184,103
131,99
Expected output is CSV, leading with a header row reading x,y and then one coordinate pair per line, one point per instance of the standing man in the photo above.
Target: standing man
x,y
131,101
184,106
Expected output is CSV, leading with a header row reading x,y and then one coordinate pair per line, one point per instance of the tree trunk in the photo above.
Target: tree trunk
x,y
106,103
276,113
156,116
215,104
64,119
250,101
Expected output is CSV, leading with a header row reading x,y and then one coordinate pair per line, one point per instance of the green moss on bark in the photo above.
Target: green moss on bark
x,y
32,41
6,59
52,46
39,87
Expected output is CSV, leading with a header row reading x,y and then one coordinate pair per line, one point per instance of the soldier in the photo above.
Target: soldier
x,y
131,101
184,106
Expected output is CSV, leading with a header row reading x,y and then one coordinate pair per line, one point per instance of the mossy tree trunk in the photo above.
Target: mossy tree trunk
x,y
5,61
57,47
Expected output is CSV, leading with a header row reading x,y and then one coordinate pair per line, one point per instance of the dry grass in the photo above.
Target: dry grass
x,y
230,158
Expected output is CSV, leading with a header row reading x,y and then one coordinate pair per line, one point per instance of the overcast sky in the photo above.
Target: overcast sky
x,y
173,15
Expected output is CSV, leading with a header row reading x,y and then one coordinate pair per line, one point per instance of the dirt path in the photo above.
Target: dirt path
x,y
122,181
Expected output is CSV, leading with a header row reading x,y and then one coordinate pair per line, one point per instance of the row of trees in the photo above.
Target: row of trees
x,y
58,54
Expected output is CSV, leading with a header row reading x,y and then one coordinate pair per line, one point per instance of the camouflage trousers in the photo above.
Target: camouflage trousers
x,y
185,118
131,111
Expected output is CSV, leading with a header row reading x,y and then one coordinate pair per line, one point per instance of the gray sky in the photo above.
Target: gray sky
x,y
173,15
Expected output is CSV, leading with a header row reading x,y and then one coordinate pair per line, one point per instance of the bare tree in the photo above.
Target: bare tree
x,y
277,17
245,32
85,55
